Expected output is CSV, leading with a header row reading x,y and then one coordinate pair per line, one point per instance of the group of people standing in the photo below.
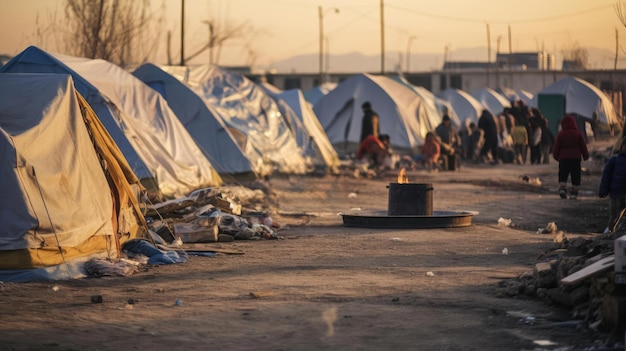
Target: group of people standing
x,y
519,134
506,138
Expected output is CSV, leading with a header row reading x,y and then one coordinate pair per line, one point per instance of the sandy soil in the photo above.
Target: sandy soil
x,y
330,287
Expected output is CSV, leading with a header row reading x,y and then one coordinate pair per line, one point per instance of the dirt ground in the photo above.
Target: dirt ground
x,y
330,287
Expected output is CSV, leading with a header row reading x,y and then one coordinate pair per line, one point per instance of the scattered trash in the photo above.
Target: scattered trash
x,y
530,180
505,251
260,294
96,299
179,241
395,299
544,342
99,267
352,196
355,209
504,222
430,274
395,239
160,290
330,316
178,302
530,320
550,228
560,238
55,288
156,256
131,301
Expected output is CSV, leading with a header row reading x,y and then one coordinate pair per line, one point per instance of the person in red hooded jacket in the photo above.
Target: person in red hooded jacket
x,y
569,148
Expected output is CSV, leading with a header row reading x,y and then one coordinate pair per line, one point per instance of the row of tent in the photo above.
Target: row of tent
x,y
81,138
408,112
184,128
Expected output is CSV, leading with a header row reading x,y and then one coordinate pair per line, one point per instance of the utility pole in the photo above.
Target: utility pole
x,y
614,66
382,37
321,39
488,54
408,53
182,33
497,64
510,55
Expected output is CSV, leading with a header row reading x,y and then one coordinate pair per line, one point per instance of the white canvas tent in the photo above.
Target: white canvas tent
x,y
466,107
491,100
314,94
515,95
401,113
59,207
320,145
140,121
582,98
435,107
245,107
202,122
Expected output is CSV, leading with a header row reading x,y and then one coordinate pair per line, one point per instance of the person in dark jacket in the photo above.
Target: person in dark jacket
x,y
449,141
569,148
613,184
370,124
488,124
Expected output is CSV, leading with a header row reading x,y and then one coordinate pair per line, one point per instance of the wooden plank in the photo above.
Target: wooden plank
x,y
588,271
208,248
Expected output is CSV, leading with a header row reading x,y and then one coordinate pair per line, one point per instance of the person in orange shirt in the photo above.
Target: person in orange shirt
x,y
375,149
431,150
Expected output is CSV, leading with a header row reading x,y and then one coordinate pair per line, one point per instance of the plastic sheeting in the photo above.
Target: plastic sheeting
x,y
317,145
263,132
202,122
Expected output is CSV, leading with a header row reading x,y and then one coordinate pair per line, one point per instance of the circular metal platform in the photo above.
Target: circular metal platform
x,y
380,219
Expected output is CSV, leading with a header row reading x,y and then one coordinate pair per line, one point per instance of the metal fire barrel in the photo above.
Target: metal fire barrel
x,y
410,199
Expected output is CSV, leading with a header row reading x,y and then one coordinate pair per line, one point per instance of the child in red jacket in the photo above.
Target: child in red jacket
x,y
569,148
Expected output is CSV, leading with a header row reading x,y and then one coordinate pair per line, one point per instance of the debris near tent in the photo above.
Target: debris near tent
x,y
581,275
215,215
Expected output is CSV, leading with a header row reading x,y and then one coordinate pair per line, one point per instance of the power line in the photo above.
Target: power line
x,y
347,24
534,20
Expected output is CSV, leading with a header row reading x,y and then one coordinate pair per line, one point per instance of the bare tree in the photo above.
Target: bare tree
x,y
218,35
576,56
620,11
119,31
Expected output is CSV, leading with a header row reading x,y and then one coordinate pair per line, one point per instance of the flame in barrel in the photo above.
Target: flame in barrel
x,y
402,178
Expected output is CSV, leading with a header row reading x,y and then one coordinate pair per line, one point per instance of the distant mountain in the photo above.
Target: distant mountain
x,y
599,58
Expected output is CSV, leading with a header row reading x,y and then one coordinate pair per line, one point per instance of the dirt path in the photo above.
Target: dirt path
x,y
330,287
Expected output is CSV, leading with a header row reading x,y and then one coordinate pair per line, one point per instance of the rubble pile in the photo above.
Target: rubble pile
x,y
577,274
215,214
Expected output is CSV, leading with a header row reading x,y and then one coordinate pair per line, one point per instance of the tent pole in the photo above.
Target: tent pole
x,y
56,237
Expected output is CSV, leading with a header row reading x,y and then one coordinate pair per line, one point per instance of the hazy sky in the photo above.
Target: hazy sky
x,y
285,28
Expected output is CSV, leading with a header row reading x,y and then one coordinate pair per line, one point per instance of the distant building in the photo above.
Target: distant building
x,y
455,65
246,70
536,61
